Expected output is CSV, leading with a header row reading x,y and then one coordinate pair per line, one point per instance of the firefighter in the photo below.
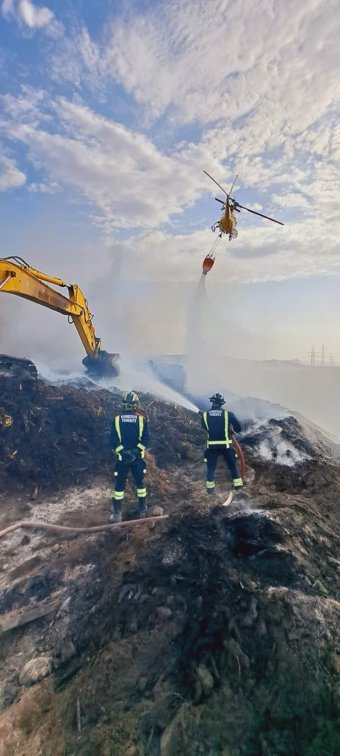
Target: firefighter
x,y
129,437
219,425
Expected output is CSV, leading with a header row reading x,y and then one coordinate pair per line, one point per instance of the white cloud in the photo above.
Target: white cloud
x,y
291,199
34,17
78,59
274,94
266,253
27,106
27,14
129,180
10,176
42,188
194,61
132,184
269,103
206,62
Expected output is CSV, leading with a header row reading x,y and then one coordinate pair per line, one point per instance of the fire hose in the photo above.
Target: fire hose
x,y
240,456
77,531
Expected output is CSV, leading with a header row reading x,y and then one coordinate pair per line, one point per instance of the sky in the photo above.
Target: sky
x,y
110,112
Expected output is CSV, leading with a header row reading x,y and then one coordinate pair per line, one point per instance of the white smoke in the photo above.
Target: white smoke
x,y
135,375
196,344
287,386
280,452
138,376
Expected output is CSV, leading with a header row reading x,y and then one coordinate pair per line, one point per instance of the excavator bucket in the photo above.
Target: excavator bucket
x,y
207,264
105,365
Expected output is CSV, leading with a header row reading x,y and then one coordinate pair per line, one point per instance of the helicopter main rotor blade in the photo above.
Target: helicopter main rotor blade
x,y
216,182
260,214
233,184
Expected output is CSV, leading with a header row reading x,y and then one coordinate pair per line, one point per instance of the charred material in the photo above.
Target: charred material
x,y
18,368
214,633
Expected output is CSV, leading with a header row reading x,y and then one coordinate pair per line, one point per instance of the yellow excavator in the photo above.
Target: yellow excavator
x,y
18,277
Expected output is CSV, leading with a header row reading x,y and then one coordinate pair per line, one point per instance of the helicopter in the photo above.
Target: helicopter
x,y
227,224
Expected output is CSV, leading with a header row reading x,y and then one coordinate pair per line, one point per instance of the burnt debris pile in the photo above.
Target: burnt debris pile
x,y
213,633
59,435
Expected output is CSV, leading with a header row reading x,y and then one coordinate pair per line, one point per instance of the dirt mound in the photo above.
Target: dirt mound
x,y
60,435
179,643
213,633
13,367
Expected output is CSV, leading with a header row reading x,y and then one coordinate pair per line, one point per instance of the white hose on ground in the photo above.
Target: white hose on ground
x,y
75,531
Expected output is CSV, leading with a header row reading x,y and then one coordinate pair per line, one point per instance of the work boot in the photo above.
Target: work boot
x,y
117,512
143,509
116,517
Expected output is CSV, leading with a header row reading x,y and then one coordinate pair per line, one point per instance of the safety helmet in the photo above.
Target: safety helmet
x,y
130,400
217,399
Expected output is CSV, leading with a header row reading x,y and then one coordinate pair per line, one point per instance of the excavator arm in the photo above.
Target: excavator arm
x,y
18,277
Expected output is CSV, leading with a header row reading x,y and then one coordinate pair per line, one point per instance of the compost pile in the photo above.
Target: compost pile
x,y
60,435
212,633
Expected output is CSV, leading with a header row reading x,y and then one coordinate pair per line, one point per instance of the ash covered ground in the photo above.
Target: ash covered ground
x,y
211,633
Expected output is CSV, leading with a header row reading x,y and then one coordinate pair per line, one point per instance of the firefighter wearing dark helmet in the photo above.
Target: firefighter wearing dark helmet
x,y
129,438
220,425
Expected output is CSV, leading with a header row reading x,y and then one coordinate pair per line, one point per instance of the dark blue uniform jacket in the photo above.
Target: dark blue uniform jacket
x,y
218,421
129,431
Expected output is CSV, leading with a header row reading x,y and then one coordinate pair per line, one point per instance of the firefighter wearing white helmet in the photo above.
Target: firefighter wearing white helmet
x,y
220,424
129,438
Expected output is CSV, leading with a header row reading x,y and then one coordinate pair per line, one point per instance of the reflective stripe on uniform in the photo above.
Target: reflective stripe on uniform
x,y
117,427
118,431
210,484
141,428
140,446
141,493
118,495
219,443
141,449
226,443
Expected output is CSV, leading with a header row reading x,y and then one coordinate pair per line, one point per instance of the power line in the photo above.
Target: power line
x,y
322,361
313,356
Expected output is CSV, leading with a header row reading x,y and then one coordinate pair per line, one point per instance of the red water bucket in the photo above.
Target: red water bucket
x,y
207,265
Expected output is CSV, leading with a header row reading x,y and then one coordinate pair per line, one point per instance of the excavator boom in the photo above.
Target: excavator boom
x,y
18,277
